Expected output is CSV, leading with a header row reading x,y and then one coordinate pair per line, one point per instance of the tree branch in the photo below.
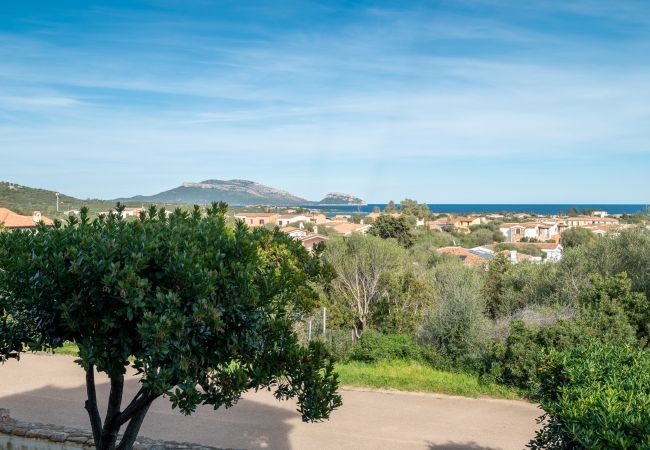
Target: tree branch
x,y
91,404
141,401
111,428
132,430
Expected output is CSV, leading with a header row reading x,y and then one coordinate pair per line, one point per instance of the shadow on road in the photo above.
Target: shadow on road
x,y
249,424
458,446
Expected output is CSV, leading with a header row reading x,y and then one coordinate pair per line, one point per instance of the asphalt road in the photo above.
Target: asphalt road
x,y
50,389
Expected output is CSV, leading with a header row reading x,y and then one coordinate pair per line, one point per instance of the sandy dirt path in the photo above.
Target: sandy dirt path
x,y
50,389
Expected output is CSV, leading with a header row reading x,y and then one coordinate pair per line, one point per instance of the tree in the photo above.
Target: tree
x,y
618,290
456,321
574,237
360,264
390,207
494,287
409,207
397,228
202,310
424,212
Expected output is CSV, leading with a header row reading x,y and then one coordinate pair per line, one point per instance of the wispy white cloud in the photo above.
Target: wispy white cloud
x,y
394,83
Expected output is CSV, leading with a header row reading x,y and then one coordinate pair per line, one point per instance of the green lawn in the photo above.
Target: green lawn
x,y
414,376
399,375
68,348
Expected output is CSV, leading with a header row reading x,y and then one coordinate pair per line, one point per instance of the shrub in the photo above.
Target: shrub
x,y
517,360
595,397
454,325
373,347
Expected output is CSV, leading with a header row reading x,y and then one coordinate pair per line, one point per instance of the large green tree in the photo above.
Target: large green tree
x,y
396,228
202,310
361,265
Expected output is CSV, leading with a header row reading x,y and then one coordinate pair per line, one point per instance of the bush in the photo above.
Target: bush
x,y
595,397
373,347
455,324
516,362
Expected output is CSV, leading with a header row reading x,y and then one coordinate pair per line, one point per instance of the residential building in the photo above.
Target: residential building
x,y
10,220
553,250
463,223
513,232
258,219
315,218
468,257
307,238
581,221
347,228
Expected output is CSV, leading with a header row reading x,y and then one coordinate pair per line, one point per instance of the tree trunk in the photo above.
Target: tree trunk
x,y
105,435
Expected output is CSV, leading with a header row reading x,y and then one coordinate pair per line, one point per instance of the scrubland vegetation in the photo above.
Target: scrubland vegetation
x,y
571,335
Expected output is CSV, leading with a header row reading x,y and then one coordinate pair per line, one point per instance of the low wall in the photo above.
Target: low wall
x,y
19,435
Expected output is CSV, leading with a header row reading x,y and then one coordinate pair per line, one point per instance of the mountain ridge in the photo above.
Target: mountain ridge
x,y
239,192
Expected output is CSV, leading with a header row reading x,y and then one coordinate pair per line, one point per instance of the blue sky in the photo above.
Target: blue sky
x,y
443,101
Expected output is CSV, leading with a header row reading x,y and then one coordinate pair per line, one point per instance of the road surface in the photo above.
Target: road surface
x,y
50,389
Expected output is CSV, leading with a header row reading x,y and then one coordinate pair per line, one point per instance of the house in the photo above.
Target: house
x,y
13,221
602,229
553,250
311,239
437,224
517,257
126,212
513,232
258,219
599,213
581,221
462,223
339,218
347,228
315,218
468,257
307,238
375,215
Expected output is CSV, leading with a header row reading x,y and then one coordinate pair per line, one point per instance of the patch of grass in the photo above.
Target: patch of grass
x,y
418,377
68,348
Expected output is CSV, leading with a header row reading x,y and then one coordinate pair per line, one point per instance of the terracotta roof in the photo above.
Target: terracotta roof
x,y
10,219
289,229
539,245
511,225
347,227
464,254
255,214
520,256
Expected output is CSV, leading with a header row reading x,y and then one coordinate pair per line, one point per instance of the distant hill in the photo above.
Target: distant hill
x,y
25,200
338,198
233,192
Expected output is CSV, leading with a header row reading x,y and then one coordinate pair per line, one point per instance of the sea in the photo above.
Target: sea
x,y
481,208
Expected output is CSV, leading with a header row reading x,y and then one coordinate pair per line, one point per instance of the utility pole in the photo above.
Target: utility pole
x,y
57,202
324,320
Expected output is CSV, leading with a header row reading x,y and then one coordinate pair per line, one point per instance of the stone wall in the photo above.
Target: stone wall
x,y
19,435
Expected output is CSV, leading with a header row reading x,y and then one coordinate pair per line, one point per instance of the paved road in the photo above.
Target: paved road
x,y
46,388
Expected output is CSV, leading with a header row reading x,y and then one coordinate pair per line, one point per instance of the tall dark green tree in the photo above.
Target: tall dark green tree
x,y
202,310
574,237
392,227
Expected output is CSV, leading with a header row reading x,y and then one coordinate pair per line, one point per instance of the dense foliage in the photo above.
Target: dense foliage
x,y
389,227
498,324
595,397
202,310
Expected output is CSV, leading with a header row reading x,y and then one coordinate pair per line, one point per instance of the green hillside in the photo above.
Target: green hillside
x,y
25,200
